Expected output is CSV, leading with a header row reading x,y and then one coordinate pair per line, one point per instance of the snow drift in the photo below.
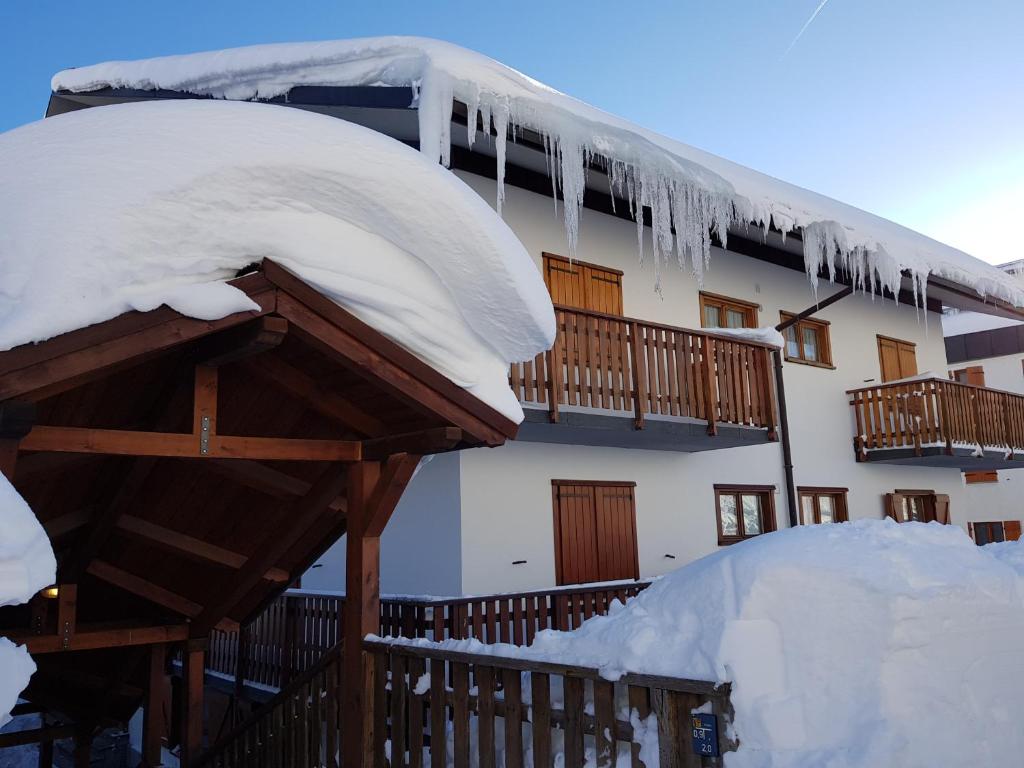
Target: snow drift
x,y
689,192
26,566
851,645
133,206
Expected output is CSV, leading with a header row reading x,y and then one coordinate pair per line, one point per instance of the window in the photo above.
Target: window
x,y
807,341
981,477
990,532
917,506
972,374
595,531
581,285
744,511
822,505
896,359
723,312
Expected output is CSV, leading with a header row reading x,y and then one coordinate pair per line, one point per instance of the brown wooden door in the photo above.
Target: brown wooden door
x,y
897,359
582,285
595,532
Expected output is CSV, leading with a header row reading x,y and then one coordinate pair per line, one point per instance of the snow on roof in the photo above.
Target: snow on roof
x,y
695,189
138,205
27,565
855,644
957,323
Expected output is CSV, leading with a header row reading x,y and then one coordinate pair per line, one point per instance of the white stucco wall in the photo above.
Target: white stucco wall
x,y
419,550
1005,373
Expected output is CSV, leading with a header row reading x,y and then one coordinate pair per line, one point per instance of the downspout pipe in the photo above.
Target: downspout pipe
x,y
780,389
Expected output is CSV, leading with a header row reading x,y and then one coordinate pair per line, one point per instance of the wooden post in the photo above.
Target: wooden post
x,y
192,672
945,426
242,659
46,754
83,746
362,616
707,372
152,711
639,388
16,419
8,457
67,601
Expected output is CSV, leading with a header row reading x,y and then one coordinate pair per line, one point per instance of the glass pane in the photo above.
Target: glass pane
x,y
735,318
981,535
807,503
792,346
727,510
915,508
997,532
711,317
810,343
751,515
825,506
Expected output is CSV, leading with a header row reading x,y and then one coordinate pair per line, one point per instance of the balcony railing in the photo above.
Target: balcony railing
x,y
618,364
974,427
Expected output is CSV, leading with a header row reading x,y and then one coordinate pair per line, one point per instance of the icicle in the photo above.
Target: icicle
x,y
500,145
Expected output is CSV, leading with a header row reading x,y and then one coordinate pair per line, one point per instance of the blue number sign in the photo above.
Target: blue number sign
x,y
705,734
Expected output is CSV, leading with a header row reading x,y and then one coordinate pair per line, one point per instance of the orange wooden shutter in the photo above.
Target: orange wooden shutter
x,y
616,533
889,358
583,286
941,502
972,374
604,290
981,477
565,282
1011,530
575,535
908,360
894,506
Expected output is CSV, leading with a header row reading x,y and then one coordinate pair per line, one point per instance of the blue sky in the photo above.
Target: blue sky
x,y
913,109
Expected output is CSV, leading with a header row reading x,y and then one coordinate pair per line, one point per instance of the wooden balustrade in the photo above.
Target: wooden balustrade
x,y
937,412
438,707
294,632
620,364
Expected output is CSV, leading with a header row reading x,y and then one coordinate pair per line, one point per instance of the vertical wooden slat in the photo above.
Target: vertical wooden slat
x,y
460,714
438,716
513,718
540,696
604,723
573,698
416,725
398,704
485,716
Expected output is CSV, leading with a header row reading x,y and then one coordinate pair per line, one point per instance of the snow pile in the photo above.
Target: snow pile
x,y
689,192
133,206
850,646
26,566
767,335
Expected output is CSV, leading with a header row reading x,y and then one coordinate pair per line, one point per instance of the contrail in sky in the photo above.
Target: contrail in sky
x,y
805,26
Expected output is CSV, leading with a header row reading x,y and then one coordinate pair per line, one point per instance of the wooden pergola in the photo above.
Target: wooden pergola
x,y
187,471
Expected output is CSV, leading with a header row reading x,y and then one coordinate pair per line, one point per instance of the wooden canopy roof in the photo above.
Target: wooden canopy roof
x,y
187,471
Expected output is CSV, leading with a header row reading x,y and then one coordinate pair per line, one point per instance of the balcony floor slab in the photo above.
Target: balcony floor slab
x,y
964,459
610,431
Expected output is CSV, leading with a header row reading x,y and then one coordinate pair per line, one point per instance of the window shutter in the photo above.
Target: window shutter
x,y
1011,530
894,506
942,508
970,531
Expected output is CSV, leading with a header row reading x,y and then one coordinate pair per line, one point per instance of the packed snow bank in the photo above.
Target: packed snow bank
x,y
133,206
767,335
851,645
690,192
26,566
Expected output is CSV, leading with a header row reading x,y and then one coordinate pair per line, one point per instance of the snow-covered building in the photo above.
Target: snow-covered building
x,y
987,351
651,436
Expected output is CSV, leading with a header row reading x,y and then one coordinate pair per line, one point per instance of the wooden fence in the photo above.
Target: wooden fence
x,y
439,708
299,627
937,412
614,363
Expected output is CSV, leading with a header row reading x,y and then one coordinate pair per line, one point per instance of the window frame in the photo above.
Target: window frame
x,y
929,502
973,526
823,328
768,523
748,308
840,508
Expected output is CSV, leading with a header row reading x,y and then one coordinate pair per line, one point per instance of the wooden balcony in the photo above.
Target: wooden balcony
x,y
619,382
935,422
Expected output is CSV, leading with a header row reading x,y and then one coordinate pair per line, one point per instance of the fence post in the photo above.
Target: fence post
x,y
707,371
668,708
241,659
639,388
288,642
976,418
944,427
554,363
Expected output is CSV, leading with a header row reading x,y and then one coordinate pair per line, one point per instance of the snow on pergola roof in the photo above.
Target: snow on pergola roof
x,y
133,206
691,193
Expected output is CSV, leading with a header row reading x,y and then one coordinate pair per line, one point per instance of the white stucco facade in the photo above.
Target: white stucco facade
x,y
466,523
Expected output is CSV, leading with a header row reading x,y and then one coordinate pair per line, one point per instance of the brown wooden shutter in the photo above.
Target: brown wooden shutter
x,y
975,374
970,531
981,477
941,502
616,533
908,359
1011,530
897,359
595,532
894,506
583,286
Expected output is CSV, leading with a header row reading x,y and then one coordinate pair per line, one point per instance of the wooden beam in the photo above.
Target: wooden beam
x,y
394,478
72,359
8,457
274,544
34,465
362,617
67,610
245,341
68,522
204,405
90,638
152,709
375,354
316,396
190,546
266,479
424,442
36,735
147,590
118,442
192,680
